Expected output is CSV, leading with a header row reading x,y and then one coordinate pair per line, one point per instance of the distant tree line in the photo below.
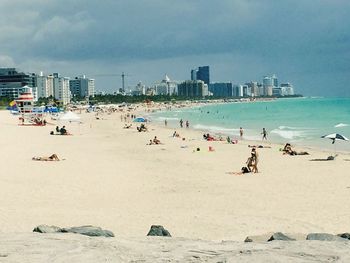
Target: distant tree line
x,y
109,98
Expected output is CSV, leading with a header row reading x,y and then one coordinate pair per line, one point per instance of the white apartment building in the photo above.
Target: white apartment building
x,y
61,89
44,85
287,89
166,87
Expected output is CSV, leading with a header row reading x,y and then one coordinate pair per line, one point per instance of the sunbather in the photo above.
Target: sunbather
x,y
288,150
258,146
244,170
52,157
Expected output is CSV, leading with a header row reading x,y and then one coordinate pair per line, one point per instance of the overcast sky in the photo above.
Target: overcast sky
x,y
305,42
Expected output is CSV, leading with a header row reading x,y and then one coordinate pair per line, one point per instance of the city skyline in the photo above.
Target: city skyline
x,y
304,42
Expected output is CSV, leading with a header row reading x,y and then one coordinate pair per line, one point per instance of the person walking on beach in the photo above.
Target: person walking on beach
x,y
264,134
165,122
187,124
241,132
181,123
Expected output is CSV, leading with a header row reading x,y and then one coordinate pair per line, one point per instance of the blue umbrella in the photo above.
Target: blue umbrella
x,y
139,119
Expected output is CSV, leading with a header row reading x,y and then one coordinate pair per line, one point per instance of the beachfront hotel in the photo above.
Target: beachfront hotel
x,y
44,85
82,87
13,83
61,89
193,88
166,86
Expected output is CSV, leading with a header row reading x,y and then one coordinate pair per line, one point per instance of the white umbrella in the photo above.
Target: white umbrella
x,y
335,137
69,116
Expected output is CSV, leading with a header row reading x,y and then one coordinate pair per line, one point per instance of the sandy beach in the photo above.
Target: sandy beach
x,y
110,178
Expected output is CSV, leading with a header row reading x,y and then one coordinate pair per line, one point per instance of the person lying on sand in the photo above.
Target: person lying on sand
x,y
127,126
258,146
329,158
231,141
208,137
52,157
244,170
288,150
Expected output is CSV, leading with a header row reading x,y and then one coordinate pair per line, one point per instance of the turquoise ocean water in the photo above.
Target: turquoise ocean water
x,y
300,121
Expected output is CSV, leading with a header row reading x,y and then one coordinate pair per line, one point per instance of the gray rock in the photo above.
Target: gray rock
x,y
323,237
258,238
47,229
91,231
280,236
158,231
344,235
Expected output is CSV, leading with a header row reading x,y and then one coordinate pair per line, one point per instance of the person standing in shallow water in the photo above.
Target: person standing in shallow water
x,y
264,134
165,122
241,132
187,124
181,123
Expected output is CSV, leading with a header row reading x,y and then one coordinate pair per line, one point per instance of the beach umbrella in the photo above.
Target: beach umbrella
x,y
139,119
69,116
335,137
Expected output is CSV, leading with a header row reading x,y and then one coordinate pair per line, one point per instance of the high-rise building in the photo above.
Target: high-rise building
x,y
193,88
274,81
277,92
44,85
287,89
194,74
222,89
267,86
12,82
246,91
203,74
140,89
254,88
61,89
166,86
82,87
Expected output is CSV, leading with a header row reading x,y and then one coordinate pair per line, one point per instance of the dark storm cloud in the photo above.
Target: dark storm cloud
x,y
307,42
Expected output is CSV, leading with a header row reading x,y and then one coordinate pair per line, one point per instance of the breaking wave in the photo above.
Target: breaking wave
x,y
341,125
215,129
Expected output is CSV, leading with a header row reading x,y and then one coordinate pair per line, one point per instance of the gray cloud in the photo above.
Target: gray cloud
x,y
304,42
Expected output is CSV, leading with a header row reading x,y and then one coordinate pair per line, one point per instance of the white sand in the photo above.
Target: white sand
x,y
110,178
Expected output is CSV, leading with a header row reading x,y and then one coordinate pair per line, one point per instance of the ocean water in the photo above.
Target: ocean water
x,y
300,121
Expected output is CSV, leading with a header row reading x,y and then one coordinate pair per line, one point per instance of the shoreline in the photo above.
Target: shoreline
x,y
160,108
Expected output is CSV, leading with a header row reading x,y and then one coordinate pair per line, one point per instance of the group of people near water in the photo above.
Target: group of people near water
x,y
181,123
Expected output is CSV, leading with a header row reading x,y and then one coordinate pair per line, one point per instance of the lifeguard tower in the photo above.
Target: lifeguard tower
x,y
25,105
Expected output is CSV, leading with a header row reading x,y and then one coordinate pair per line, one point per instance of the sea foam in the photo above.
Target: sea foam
x,y
341,125
215,129
291,133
